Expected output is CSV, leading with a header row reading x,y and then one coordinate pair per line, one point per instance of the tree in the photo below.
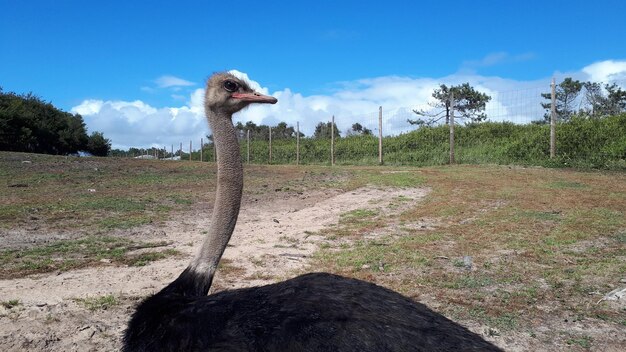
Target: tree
x,y
29,124
98,145
616,99
324,130
282,131
468,103
261,132
566,94
358,129
600,104
74,136
132,151
595,99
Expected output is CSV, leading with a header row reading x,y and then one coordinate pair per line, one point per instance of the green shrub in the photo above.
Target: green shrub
x,y
582,142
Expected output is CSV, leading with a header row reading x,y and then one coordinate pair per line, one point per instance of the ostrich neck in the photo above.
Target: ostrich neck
x,y
227,199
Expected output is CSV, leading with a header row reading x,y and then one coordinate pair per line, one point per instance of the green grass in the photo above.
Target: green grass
x,y
124,221
402,179
71,254
99,303
357,214
112,204
470,282
583,341
145,258
566,184
10,303
385,250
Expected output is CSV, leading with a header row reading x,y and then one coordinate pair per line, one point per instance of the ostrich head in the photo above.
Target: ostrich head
x,y
228,94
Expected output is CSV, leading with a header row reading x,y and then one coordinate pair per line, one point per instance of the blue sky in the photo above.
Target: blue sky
x,y
124,63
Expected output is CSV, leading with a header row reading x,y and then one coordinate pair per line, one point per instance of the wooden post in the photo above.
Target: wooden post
x,y
553,119
201,145
181,151
172,156
380,135
270,161
189,150
332,141
451,128
298,143
248,143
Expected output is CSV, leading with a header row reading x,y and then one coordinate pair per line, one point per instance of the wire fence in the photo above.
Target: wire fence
x,y
517,126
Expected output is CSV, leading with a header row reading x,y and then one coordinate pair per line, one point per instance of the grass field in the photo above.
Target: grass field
x,y
526,251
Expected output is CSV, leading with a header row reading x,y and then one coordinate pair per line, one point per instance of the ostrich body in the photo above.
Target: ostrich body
x,y
312,312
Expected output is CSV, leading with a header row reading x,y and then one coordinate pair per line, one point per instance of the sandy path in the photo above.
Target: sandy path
x,y
271,241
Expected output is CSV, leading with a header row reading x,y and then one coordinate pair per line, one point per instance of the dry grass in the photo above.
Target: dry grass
x,y
545,245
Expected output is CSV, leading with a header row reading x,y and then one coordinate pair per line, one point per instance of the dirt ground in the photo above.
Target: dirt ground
x,y
272,241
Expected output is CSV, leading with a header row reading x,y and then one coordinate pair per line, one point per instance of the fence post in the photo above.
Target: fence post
x,y
451,128
270,160
248,144
190,150
201,145
553,119
181,151
298,143
380,135
172,154
332,141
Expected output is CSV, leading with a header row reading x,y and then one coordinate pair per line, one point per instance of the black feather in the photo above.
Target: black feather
x,y
313,312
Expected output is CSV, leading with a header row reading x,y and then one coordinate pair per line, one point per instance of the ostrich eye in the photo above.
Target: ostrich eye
x,y
231,86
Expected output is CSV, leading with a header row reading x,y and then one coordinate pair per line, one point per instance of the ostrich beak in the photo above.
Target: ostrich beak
x,y
255,97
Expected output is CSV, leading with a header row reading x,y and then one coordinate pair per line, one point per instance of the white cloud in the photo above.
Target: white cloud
x,y
605,71
134,123
253,84
172,82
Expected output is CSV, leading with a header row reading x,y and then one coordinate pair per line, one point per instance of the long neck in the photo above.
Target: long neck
x,y
196,279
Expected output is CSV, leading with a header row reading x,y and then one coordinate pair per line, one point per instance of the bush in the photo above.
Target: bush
x,y
581,142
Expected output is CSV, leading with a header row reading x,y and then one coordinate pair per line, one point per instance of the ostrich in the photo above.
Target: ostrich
x,y
312,312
